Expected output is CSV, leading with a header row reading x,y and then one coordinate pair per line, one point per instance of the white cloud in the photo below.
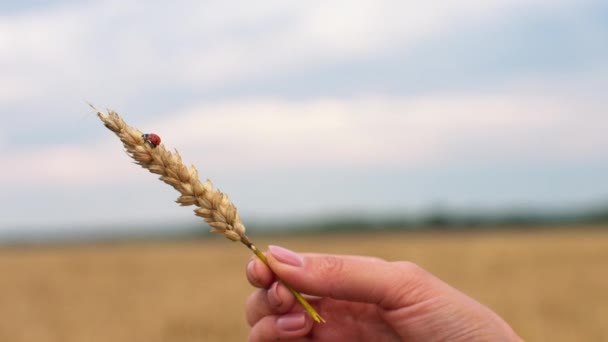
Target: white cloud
x,y
340,31
526,121
261,136
68,165
381,130
115,48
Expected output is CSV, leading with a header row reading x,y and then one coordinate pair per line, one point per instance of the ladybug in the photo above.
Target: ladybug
x,y
151,139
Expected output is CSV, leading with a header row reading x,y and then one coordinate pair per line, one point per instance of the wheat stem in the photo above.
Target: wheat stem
x,y
212,205
313,313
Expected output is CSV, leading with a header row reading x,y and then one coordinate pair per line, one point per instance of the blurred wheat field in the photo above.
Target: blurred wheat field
x,y
549,285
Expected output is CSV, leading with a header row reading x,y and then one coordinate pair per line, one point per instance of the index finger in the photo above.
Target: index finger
x,y
261,276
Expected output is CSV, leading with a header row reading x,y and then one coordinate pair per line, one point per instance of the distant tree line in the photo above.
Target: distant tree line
x,y
442,219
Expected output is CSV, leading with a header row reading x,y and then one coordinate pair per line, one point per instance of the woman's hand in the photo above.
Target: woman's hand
x,y
362,299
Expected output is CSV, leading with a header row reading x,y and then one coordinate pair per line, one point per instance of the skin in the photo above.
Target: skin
x,y
362,299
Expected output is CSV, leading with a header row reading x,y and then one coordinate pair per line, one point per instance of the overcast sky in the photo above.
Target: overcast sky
x,y
302,109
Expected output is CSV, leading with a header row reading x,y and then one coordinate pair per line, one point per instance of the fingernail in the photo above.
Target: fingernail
x,y
251,272
291,322
285,256
251,267
273,296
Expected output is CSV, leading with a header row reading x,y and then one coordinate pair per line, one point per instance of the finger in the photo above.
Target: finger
x,y
290,327
276,300
388,284
258,274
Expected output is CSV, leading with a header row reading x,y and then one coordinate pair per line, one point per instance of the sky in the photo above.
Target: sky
x,y
302,110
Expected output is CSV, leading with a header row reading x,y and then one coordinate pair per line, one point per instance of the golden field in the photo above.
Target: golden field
x,y
550,285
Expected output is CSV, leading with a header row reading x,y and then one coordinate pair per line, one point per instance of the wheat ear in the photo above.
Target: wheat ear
x,y
212,205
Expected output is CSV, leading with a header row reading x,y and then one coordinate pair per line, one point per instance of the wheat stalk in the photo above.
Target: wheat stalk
x,y
212,205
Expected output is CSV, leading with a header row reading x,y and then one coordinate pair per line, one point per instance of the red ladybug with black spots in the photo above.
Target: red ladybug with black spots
x,y
151,139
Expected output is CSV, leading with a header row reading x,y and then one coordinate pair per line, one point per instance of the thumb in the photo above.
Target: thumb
x,y
355,278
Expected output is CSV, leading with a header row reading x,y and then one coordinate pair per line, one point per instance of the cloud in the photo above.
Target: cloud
x,y
390,130
95,163
89,48
340,32
364,131
406,151
531,120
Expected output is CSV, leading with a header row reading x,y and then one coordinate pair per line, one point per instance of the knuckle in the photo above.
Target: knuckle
x,y
328,265
265,330
415,275
410,268
253,305
375,259
329,270
416,284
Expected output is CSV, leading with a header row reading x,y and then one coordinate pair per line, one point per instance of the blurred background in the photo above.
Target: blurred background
x,y
468,137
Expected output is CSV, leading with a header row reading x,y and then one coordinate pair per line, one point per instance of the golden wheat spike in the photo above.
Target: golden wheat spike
x,y
212,205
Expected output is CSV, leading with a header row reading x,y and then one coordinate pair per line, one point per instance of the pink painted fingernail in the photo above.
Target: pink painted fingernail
x,y
251,267
292,321
286,256
273,296
252,273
